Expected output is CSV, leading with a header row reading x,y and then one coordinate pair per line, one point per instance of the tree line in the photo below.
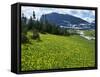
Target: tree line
x,y
39,26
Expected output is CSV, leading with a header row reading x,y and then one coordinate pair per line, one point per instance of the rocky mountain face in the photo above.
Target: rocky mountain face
x,y
66,20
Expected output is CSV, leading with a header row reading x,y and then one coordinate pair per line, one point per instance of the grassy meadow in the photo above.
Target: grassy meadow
x,y
89,33
56,51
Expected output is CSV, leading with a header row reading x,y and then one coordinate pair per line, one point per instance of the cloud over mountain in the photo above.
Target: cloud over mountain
x,y
88,15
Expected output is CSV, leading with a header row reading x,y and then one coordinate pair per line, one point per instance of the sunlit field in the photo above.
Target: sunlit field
x,y
56,51
57,38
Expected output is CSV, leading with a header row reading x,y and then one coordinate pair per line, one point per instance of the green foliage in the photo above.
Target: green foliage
x,y
24,38
30,24
89,33
35,35
41,26
24,30
55,52
34,14
72,32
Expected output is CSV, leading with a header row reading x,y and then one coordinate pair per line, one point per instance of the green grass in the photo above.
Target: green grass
x,y
54,52
89,33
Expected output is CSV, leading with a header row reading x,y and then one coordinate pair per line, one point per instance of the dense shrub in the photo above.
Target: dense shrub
x,y
24,38
35,35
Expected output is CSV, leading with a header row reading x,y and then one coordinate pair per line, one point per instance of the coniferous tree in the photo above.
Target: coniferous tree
x,y
35,28
34,15
24,38
23,23
30,23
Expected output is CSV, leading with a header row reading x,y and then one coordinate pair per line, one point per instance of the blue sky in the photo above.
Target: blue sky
x,y
88,15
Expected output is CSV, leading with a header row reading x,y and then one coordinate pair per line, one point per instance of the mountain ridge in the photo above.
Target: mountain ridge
x,y
62,19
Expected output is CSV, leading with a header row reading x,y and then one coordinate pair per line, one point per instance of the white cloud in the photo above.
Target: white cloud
x,y
88,15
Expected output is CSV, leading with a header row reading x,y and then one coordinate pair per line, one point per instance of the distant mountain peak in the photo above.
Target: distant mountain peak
x,y
62,19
